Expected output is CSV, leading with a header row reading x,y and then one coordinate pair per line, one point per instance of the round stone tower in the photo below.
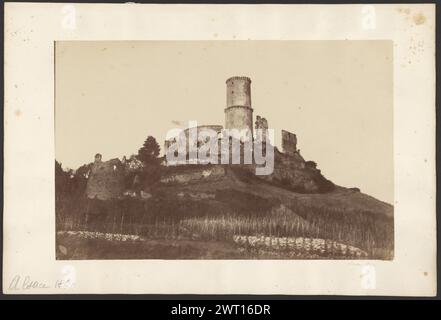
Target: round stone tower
x,y
238,113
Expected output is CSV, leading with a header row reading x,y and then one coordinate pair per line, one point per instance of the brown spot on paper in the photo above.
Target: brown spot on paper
x,y
419,18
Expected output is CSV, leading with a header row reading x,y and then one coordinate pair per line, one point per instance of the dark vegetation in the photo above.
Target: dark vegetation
x,y
149,152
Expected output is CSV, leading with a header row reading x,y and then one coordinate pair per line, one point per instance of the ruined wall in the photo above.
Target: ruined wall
x,y
216,128
201,139
261,123
289,142
106,180
238,112
191,175
292,172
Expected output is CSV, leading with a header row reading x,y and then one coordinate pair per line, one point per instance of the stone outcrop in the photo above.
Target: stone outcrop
x,y
292,172
193,175
299,175
261,123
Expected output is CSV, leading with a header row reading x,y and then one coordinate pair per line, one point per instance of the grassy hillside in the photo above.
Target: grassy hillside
x,y
272,221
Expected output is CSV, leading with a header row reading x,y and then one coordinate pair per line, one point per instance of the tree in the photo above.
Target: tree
x,y
59,172
84,170
61,180
80,178
149,152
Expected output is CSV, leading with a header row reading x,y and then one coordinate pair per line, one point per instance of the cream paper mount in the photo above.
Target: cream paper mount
x,y
351,86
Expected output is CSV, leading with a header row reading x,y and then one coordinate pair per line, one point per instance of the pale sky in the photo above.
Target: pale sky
x,y
337,96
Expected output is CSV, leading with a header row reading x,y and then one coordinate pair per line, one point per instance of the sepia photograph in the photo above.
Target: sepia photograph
x,y
224,150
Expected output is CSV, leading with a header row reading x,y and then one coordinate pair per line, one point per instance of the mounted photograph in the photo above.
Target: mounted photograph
x,y
224,150
207,150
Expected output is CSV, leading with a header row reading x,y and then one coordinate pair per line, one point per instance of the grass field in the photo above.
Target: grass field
x,y
179,227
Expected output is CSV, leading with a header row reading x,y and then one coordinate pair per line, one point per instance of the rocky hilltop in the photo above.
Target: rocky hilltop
x,y
293,179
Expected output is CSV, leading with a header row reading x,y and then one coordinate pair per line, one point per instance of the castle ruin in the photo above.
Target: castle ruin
x,y
239,116
106,179
290,169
